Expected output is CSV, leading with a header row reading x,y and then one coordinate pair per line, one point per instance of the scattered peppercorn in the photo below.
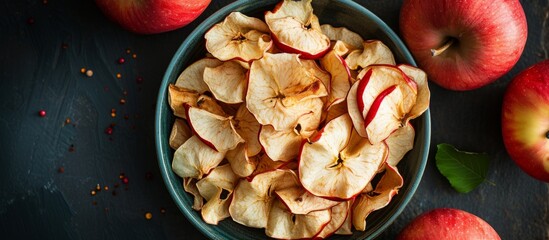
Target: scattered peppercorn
x,y
67,121
128,51
118,75
98,187
122,101
106,188
162,210
42,113
89,73
61,170
148,216
94,203
134,56
109,130
71,148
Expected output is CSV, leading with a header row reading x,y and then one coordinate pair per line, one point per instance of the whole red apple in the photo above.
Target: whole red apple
x,y
464,44
152,16
525,120
447,224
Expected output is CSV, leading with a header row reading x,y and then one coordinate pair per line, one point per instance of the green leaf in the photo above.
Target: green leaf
x,y
464,170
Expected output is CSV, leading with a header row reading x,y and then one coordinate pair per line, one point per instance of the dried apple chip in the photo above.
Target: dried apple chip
x,y
400,142
299,201
373,52
340,213
380,102
216,131
340,81
334,166
220,180
283,224
295,29
280,90
194,159
242,164
280,145
180,133
227,82
351,39
423,93
189,185
192,77
385,190
238,37
248,127
252,200
179,98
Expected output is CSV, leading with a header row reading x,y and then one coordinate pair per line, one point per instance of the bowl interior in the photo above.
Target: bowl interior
x,y
334,12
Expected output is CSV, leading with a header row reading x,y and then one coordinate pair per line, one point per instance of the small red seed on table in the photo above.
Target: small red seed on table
x,y
121,60
42,113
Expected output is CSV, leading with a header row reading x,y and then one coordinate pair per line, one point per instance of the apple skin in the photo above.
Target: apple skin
x,y
489,35
152,16
525,120
447,224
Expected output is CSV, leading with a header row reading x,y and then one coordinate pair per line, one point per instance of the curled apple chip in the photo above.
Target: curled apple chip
x,y
189,185
248,128
336,165
373,52
340,81
423,93
295,29
339,214
280,145
179,134
365,204
266,164
252,200
227,82
238,37
240,162
216,188
194,159
216,131
192,78
179,98
380,102
299,201
351,39
281,90
400,142
283,224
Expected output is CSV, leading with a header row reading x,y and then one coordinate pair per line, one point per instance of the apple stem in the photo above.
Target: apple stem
x,y
438,51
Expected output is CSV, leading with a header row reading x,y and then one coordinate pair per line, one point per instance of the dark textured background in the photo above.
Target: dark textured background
x,y
36,72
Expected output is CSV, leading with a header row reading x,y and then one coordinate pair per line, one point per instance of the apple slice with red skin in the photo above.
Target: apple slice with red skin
x,y
248,128
242,164
216,131
238,37
423,92
194,159
252,200
295,29
336,165
380,102
346,227
372,52
463,45
339,212
283,224
266,164
180,133
149,17
525,120
365,204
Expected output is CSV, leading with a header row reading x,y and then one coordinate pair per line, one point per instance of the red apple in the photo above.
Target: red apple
x,y
464,44
152,16
447,224
525,120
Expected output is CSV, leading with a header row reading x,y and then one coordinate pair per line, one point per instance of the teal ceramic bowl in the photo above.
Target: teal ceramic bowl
x,y
338,13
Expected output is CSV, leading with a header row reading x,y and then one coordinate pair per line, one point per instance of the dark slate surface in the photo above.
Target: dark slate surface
x,y
36,72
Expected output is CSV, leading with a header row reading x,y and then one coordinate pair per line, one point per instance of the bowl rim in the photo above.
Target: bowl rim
x,y
160,142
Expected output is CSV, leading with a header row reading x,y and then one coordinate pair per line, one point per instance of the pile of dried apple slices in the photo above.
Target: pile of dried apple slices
x,y
293,126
